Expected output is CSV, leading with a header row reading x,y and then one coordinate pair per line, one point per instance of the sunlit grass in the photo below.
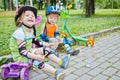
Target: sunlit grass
x,y
77,23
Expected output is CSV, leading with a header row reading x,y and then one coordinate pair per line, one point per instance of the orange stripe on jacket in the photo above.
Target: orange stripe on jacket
x,y
50,30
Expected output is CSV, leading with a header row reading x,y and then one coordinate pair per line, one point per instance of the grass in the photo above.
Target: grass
x,y
77,23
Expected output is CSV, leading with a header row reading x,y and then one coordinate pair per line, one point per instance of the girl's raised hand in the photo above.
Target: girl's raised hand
x,y
40,57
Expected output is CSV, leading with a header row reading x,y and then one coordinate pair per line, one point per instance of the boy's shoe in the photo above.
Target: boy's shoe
x,y
65,61
73,52
59,75
55,52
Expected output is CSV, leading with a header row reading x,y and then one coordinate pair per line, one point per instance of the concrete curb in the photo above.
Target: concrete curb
x,y
95,34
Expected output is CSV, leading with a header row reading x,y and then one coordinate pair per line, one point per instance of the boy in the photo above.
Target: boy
x,y
49,31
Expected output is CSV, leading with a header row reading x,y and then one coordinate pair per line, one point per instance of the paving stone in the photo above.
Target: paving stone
x,y
118,74
70,70
118,55
95,64
98,55
109,72
105,65
40,76
79,65
84,77
71,77
79,59
96,50
107,51
117,64
115,47
33,74
49,78
102,59
95,71
72,63
81,71
100,77
53,64
113,60
114,78
109,55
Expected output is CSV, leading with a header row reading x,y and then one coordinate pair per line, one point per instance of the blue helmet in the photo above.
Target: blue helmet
x,y
52,9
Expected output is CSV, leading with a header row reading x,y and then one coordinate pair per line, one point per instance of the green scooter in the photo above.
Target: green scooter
x,y
65,14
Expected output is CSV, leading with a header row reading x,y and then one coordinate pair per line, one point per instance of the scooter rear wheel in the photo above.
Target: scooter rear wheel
x,y
24,75
73,42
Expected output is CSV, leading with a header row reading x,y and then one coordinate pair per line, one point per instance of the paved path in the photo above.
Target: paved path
x,y
105,62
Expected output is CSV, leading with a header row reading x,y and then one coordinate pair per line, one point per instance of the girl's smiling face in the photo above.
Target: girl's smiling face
x,y
52,18
29,18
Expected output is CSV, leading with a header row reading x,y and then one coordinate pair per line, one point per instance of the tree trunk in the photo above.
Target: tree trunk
x,y
88,8
48,3
10,5
4,5
53,2
92,6
24,2
40,4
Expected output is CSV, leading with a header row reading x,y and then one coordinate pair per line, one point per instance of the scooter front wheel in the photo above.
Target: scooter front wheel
x,y
4,72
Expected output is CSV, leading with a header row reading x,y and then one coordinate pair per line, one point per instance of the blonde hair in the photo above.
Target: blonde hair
x,y
19,20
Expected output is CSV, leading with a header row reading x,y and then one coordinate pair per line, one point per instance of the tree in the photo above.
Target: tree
x,y
53,2
90,9
4,5
24,2
48,3
40,4
10,2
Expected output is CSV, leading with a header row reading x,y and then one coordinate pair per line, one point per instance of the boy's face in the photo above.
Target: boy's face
x,y
29,18
52,18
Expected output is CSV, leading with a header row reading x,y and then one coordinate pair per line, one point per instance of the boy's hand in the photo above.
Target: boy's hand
x,y
53,45
60,40
46,44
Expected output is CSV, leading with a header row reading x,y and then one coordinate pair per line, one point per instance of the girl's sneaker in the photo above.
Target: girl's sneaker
x,y
65,61
59,75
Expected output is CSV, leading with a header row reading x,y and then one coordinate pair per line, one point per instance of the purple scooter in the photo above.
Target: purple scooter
x,y
15,70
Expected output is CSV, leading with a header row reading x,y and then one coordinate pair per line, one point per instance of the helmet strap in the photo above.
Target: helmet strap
x,y
48,22
27,26
34,30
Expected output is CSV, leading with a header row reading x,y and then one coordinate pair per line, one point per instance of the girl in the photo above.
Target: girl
x,y
23,38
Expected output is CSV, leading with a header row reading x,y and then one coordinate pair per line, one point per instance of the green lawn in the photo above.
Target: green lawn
x,y
77,23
